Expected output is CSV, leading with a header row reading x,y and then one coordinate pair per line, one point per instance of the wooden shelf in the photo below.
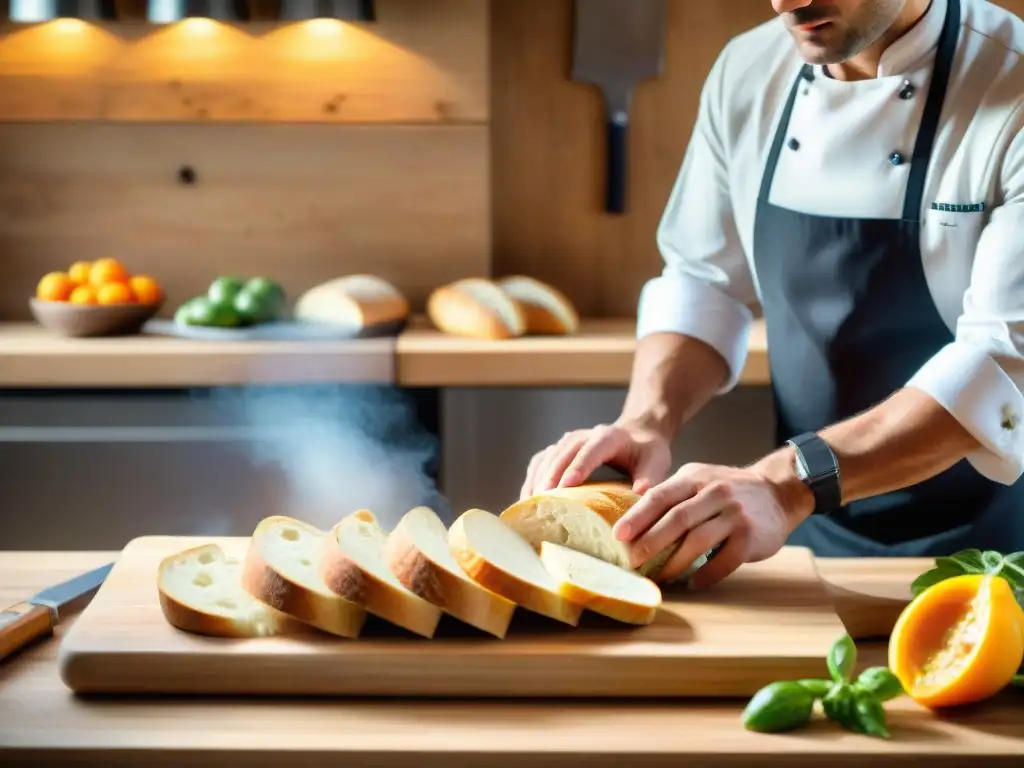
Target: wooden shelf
x,y
600,354
31,356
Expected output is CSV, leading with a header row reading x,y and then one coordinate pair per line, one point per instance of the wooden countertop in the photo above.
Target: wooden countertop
x,y
43,723
600,354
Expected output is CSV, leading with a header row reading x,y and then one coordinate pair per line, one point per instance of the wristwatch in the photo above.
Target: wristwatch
x,y
818,467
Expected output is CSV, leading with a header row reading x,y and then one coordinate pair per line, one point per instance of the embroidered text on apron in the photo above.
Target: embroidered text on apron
x,y
850,319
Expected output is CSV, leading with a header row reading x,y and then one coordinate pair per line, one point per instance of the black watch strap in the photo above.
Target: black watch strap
x,y
820,471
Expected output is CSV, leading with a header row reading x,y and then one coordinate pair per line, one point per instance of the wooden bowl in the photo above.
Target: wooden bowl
x,y
82,320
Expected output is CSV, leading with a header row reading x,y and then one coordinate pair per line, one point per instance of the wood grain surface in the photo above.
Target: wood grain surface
x,y
418,62
600,354
31,356
300,204
771,620
42,723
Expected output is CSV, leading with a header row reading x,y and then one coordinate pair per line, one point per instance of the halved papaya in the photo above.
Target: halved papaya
x,y
959,641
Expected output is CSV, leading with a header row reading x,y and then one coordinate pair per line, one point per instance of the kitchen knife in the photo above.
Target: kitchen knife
x,y
25,622
616,44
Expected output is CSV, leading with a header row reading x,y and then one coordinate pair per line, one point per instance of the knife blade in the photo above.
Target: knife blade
x,y
36,617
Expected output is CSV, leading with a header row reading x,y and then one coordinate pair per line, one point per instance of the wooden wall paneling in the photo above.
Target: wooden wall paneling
x,y
423,62
299,203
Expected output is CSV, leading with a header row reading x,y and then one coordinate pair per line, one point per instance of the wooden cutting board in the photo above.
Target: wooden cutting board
x,y
769,621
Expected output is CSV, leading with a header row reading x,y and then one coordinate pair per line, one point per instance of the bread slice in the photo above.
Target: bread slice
x,y
355,566
581,518
282,569
498,558
419,555
201,592
477,308
600,586
354,301
545,309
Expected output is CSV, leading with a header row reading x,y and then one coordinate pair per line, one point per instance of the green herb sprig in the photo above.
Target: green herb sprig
x,y
976,561
855,704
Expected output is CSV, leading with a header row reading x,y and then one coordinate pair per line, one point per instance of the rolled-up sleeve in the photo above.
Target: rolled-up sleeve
x,y
705,289
979,377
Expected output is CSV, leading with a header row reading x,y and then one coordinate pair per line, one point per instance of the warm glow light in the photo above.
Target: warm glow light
x,y
199,27
324,27
67,26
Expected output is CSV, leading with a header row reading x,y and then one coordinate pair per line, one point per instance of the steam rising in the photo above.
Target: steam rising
x,y
340,449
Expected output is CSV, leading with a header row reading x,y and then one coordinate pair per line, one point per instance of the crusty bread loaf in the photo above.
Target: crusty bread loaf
x,y
354,301
477,308
420,556
546,310
498,558
355,566
201,592
600,586
282,569
581,518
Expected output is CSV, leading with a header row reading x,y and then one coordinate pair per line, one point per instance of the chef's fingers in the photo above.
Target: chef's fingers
x,y
730,557
699,541
652,506
531,472
683,519
559,457
603,445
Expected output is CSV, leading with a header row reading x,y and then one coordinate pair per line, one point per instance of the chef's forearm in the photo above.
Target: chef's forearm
x,y
904,440
673,377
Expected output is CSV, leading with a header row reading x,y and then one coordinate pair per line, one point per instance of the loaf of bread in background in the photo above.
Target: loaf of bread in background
x,y
354,301
498,558
282,569
581,518
201,592
477,308
355,566
420,556
545,309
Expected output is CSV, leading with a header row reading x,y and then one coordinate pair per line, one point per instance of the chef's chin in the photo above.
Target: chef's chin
x,y
825,45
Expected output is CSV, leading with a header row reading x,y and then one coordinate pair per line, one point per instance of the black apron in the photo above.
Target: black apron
x,y
850,319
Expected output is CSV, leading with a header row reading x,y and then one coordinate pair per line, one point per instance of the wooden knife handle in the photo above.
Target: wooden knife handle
x,y
21,624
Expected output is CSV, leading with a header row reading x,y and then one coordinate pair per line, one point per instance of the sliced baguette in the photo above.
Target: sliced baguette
x,y
546,310
355,566
600,586
581,518
201,592
282,569
477,308
354,301
502,561
419,555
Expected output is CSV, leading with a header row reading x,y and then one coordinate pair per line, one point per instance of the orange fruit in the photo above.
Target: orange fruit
x,y
83,294
54,286
107,270
146,289
958,642
79,272
114,293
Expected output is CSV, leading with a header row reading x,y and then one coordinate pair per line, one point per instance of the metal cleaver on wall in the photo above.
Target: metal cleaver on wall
x,y
617,44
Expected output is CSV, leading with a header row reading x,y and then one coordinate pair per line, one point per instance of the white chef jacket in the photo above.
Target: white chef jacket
x,y
847,133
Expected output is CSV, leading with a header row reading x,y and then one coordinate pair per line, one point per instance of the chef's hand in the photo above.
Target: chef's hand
x,y
705,506
643,453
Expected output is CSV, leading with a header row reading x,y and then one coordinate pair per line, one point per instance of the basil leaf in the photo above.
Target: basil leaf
x,y
816,688
1018,681
934,576
967,561
1013,569
869,717
842,658
878,682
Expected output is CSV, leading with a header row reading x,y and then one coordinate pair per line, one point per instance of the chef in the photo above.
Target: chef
x,y
857,170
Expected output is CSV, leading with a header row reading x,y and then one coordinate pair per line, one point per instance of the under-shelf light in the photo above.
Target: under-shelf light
x,y
171,11
346,10
34,11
